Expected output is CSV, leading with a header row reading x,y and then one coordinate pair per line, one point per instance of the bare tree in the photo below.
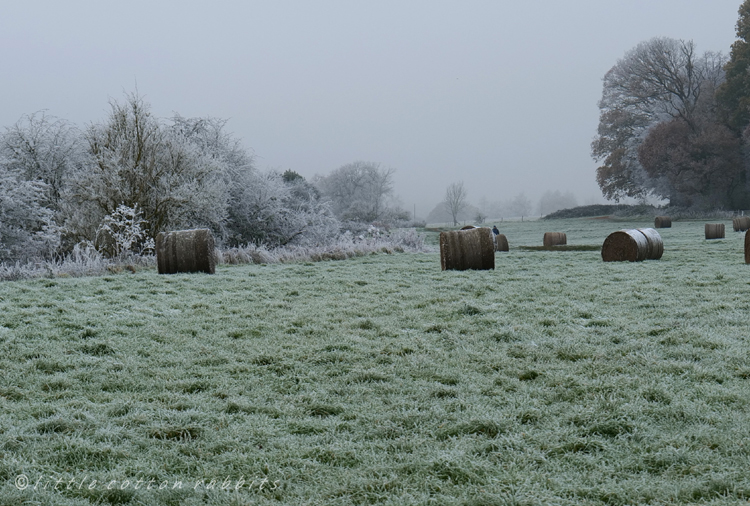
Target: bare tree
x,y
455,200
662,78
521,205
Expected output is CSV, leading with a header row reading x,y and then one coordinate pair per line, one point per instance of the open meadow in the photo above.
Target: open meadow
x,y
554,379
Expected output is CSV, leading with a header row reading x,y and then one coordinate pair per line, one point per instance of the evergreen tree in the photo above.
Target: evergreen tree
x,y
734,94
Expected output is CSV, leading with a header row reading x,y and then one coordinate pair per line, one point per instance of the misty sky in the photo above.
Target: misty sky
x,y
500,94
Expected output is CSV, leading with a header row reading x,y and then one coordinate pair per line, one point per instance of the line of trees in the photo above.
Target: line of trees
x,y
456,207
61,186
674,124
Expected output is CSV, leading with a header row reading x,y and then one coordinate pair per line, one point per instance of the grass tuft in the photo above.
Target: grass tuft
x,y
180,434
487,428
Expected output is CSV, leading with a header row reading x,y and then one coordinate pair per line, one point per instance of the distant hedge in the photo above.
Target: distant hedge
x,y
602,210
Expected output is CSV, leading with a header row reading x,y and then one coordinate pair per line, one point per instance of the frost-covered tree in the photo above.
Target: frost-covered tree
x,y
183,173
275,212
211,138
361,191
137,160
44,148
262,208
123,233
27,227
234,164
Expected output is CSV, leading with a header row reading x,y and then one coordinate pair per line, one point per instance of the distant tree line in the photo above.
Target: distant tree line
x,y
456,207
116,184
674,124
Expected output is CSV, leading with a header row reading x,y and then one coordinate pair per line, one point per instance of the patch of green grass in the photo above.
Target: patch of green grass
x,y
563,247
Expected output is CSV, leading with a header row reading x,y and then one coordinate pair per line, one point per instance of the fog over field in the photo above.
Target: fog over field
x,y
502,95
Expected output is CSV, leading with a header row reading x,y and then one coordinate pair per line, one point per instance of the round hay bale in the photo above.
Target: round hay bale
x,y
554,239
714,231
185,251
634,245
501,243
741,223
467,249
662,222
655,247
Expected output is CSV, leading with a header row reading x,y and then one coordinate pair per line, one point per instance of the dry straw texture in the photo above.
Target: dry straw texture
x,y
741,223
501,243
662,222
714,231
634,245
554,239
185,251
467,249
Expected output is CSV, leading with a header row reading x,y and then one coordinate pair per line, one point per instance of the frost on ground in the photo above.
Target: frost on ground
x,y
85,260
556,378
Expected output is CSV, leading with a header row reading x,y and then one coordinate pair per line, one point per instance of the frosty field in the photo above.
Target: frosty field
x,y
554,379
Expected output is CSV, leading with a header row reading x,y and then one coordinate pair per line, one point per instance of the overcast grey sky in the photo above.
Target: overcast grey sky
x,y
500,94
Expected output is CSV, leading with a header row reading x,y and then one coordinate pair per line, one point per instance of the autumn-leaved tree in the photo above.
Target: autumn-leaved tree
x,y
659,80
695,165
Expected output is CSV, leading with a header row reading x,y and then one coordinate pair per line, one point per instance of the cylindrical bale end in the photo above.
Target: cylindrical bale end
x,y
655,247
467,249
662,222
501,243
624,246
714,231
186,251
554,239
741,223
633,245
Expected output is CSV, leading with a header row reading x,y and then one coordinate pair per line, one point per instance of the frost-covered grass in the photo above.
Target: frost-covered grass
x,y
89,262
348,245
554,379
